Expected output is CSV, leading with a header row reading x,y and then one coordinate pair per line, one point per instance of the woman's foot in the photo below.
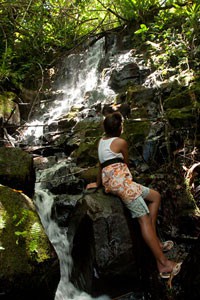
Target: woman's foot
x,y
170,268
176,269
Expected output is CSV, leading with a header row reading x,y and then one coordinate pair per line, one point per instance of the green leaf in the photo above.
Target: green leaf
x,y
143,28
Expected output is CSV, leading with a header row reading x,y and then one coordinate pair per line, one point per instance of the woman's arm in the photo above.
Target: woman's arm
x,y
97,184
120,146
99,181
124,150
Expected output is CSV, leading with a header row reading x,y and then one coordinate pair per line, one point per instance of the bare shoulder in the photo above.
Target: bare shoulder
x,y
122,142
119,143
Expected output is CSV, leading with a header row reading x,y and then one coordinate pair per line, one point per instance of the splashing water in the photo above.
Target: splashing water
x,y
44,200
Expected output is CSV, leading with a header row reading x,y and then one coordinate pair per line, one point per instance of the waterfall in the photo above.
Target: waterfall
x,y
83,82
81,77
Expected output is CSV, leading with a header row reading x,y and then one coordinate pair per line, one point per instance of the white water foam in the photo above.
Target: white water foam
x,y
43,200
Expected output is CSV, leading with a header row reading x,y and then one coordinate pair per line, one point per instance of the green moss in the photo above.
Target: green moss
x,y
6,103
89,175
87,135
183,113
139,113
135,93
22,235
178,101
86,153
135,132
86,126
16,168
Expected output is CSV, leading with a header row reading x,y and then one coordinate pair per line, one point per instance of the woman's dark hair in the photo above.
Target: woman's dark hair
x,y
112,124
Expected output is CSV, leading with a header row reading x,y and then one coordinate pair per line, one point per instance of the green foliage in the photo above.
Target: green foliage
x,y
31,235
20,220
173,35
143,29
31,32
35,233
2,220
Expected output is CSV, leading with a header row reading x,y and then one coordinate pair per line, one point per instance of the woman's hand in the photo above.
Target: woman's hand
x,y
92,185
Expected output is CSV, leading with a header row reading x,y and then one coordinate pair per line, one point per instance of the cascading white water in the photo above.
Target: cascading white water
x,y
81,77
43,200
81,85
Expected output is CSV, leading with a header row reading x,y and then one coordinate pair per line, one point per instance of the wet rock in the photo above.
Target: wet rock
x,y
66,123
60,179
140,95
62,211
129,73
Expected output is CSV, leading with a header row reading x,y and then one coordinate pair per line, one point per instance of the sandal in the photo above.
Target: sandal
x,y
168,245
176,269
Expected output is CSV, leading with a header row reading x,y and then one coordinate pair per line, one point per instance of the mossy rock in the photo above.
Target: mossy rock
x,y
195,91
66,123
89,128
7,106
17,169
27,258
139,112
180,100
86,154
136,131
87,135
181,116
139,94
85,131
89,175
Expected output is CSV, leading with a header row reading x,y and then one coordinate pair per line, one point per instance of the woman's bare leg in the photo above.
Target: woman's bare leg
x,y
154,199
151,239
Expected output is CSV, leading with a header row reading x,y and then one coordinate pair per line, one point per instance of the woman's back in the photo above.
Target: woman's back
x,y
105,152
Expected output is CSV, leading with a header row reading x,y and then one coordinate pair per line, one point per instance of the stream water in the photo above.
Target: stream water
x,y
58,237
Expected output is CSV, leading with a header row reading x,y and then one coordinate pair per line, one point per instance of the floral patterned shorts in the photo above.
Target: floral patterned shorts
x,y
117,179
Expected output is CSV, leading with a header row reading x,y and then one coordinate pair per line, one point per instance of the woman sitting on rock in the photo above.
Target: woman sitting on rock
x,y
116,178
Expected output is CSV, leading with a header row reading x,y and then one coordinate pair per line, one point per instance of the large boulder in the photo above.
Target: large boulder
x,y
103,240
17,169
29,266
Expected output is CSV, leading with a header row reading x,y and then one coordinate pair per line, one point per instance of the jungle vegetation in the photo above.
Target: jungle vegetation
x,y
34,32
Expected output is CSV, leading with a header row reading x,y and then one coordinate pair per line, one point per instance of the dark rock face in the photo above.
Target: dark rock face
x,y
104,244
190,274
120,78
17,169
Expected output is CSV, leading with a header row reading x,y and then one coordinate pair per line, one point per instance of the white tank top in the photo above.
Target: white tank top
x,y
104,151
